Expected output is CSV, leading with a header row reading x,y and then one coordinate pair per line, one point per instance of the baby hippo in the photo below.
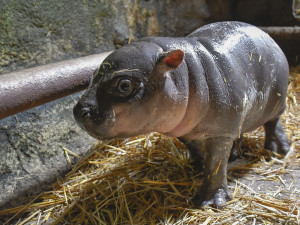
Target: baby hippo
x,y
207,88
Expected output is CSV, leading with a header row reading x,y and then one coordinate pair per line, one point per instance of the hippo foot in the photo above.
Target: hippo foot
x,y
276,139
218,199
278,148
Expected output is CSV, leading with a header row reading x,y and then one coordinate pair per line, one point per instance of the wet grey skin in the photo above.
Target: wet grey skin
x,y
208,88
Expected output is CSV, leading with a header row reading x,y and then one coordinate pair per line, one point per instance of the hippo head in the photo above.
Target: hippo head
x,y
132,93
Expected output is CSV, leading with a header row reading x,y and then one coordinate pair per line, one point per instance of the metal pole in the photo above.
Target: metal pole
x,y
29,88
285,33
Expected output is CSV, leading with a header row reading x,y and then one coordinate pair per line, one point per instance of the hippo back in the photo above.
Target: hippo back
x,y
252,66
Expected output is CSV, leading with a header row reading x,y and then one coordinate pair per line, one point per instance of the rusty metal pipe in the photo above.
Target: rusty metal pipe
x,y
290,33
28,88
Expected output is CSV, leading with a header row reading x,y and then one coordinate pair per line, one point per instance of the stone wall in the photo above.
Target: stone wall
x,y
35,32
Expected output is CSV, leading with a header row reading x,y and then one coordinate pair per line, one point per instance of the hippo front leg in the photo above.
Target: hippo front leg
x,y
214,190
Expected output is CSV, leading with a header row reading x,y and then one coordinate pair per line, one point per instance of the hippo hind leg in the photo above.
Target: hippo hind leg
x,y
236,149
276,139
196,149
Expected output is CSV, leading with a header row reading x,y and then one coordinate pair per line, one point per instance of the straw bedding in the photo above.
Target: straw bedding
x,y
148,180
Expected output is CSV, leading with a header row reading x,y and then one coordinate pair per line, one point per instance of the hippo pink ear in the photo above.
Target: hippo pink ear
x,y
173,59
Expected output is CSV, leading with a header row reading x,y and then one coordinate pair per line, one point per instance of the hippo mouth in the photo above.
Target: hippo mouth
x,y
99,127
100,132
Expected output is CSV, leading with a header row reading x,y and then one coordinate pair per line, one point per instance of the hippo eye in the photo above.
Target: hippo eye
x,y
125,87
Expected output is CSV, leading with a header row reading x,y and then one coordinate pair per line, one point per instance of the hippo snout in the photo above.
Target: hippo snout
x,y
81,111
98,124
84,113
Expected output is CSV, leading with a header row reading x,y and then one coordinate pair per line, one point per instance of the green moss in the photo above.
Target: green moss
x,y
6,24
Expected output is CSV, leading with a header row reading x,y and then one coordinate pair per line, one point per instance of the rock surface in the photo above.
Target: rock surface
x,y
32,149
39,32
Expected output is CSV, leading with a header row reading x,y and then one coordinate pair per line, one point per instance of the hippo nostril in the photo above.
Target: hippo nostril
x,y
85,112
